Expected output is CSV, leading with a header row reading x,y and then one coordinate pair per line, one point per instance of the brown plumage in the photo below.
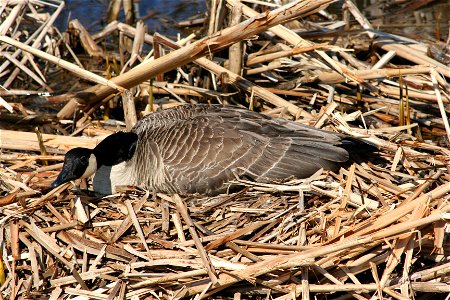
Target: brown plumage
x,y
200,148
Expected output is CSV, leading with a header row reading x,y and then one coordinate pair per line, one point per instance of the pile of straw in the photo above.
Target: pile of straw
x,y
373,230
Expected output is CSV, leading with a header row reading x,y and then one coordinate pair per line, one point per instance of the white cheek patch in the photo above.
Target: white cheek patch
x,y
92,167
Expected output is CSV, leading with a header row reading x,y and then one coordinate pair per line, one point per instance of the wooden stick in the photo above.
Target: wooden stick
x,y
362,20
344,200
202,252
235,235
127,222
235,51
114,10
434,75
87,41
138,42
11,18
20,140
129,109
137,227
328,288
291,52
168,278
328,77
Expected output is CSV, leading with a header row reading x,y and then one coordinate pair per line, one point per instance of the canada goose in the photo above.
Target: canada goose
x,y
200,148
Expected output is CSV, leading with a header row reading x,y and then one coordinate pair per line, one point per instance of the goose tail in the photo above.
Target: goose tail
x,y
359,150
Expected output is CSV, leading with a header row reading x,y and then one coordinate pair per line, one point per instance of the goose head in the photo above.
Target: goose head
x,y
78,163
82,162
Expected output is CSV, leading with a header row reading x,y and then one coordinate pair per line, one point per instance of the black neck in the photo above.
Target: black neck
x,y
116,148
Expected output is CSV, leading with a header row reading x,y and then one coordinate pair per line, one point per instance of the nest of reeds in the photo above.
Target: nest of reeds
x,y
375,229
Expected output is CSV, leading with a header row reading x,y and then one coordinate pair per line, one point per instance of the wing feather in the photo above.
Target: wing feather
x,y
204,147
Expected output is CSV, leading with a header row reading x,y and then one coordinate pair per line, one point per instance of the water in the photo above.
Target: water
x,y
158,15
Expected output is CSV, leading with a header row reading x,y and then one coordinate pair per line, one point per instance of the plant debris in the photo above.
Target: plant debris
x,y
373,230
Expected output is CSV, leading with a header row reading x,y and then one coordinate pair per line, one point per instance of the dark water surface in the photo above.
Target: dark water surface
x,y
159,15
